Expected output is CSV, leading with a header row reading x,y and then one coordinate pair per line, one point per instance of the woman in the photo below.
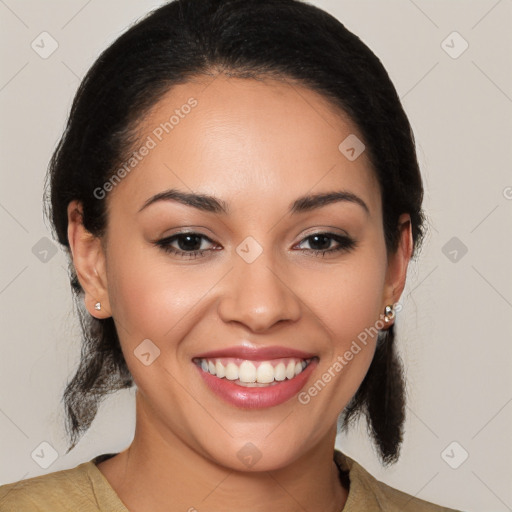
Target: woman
x,y
255,129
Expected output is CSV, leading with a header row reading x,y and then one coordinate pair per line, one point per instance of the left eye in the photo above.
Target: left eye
x,y
323,241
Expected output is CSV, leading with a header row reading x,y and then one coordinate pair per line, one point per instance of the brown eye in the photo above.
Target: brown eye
x,y
184,244
322,243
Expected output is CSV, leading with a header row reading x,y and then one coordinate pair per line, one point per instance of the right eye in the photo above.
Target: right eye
x,y
189,245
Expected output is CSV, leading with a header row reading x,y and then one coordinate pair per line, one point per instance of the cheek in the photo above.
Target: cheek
x,y
348,304
156,301
348,299
150,298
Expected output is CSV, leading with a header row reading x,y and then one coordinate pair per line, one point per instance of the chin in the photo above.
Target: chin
x,y
257,454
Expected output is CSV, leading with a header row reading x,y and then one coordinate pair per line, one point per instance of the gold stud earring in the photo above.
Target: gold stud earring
x,y
389,313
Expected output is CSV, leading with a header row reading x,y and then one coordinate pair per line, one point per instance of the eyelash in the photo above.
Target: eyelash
x,y
346,244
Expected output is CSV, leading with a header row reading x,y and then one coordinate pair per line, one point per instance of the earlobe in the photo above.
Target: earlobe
x,y
398,263
89,262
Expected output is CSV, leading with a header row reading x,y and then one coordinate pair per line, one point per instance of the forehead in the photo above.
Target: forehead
x,y
249,140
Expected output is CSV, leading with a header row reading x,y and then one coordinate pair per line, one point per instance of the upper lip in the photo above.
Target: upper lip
x,y
256,353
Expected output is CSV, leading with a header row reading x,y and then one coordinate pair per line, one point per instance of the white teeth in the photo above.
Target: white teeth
x,y
253,372
290,370
231,371
280,372
247,372
266,373
219,369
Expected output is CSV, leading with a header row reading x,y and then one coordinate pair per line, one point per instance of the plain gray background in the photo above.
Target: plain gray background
x,y
455,331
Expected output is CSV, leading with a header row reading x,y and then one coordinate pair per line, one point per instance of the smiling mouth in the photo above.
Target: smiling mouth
x,y
248,373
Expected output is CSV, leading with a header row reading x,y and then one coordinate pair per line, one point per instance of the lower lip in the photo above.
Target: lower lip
x,y
257,397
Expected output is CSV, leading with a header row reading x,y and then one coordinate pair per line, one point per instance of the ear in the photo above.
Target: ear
x,y
89,262
397,264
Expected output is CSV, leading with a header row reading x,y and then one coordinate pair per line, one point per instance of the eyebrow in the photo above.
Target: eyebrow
x,y
211,204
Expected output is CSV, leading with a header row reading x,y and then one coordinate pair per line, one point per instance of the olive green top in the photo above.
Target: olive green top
x,y
85,489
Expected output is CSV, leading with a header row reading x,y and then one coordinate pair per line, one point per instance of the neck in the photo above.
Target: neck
x,y
159,472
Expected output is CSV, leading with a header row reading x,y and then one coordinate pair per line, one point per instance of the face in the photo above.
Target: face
x,y
259,281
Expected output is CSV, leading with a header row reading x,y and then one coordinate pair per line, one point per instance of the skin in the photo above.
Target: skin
x,y
257,145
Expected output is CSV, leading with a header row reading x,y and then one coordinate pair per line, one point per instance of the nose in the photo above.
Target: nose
x,y
258,295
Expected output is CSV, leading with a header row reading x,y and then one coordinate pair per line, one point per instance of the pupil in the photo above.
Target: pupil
x,y
325,239
189,242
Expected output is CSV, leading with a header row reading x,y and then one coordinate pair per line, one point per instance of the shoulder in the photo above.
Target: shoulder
x,y
69,489
368,493
53,491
